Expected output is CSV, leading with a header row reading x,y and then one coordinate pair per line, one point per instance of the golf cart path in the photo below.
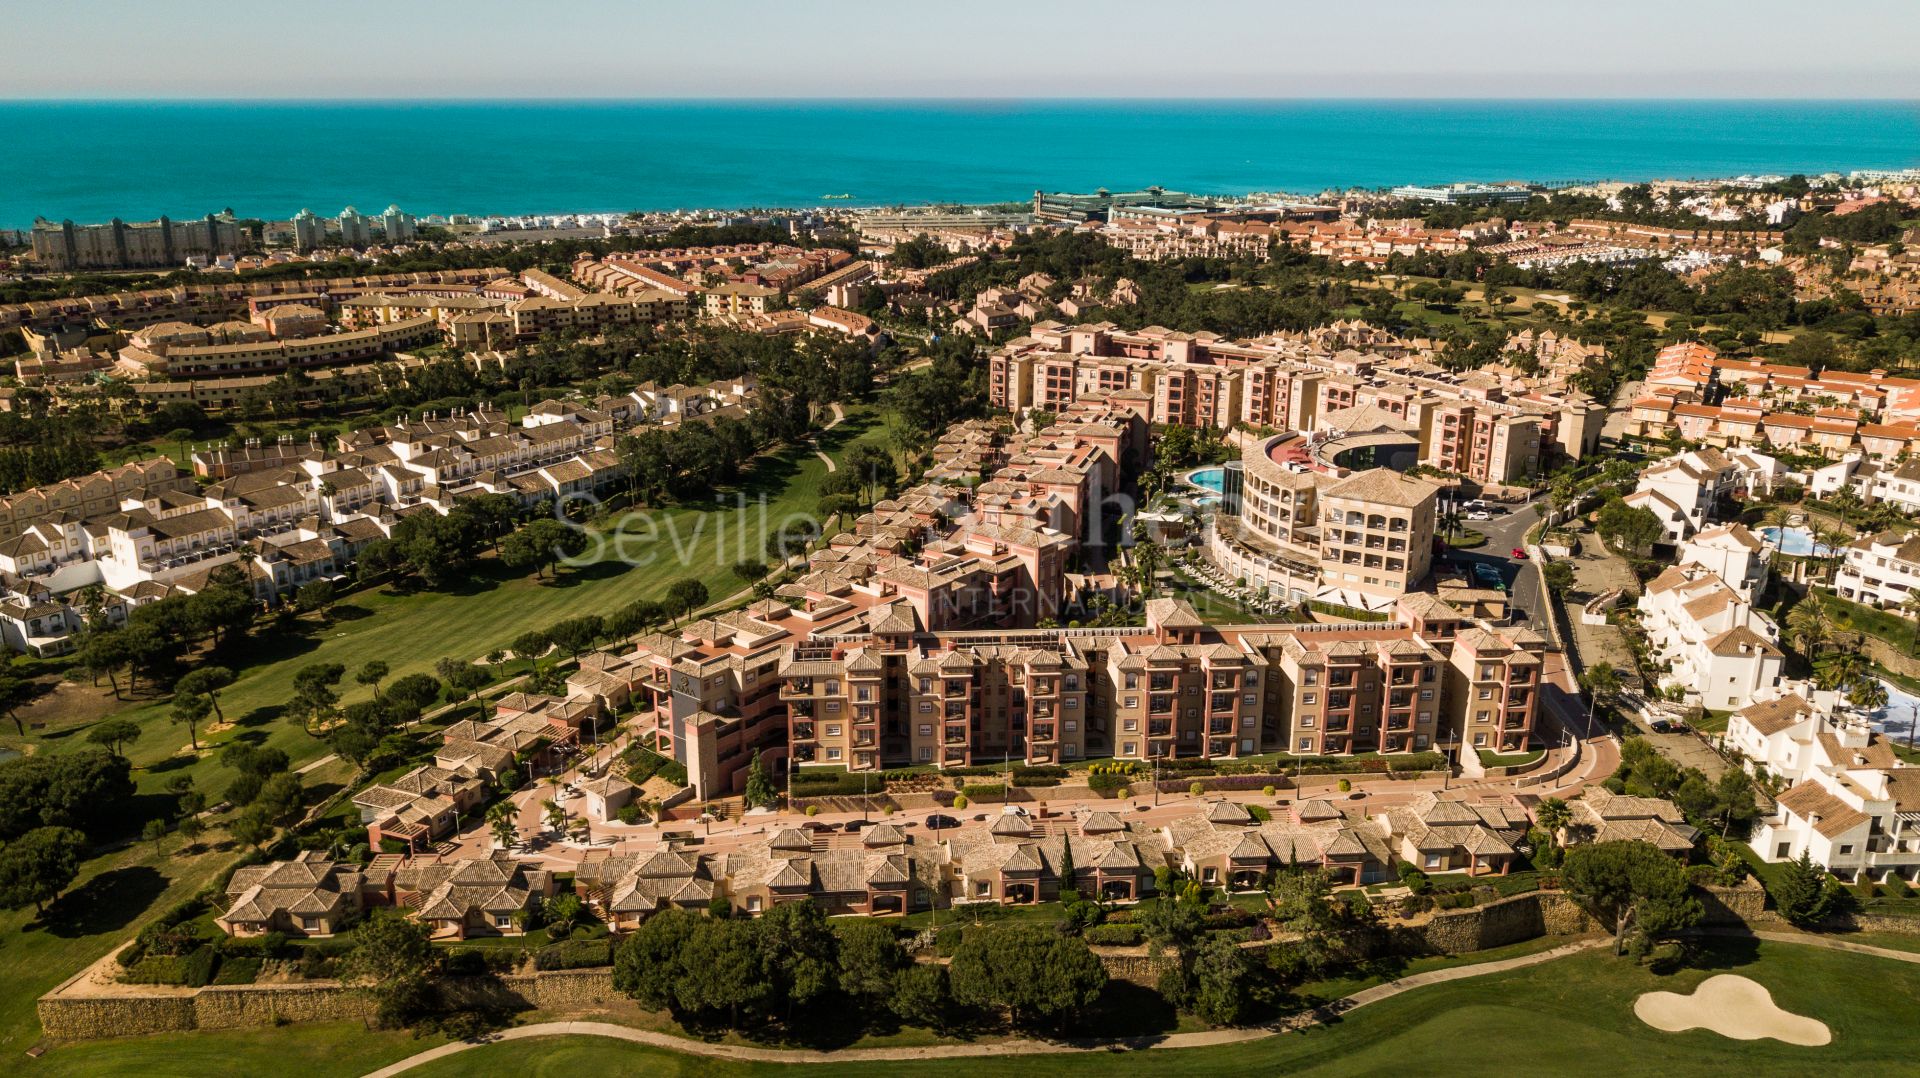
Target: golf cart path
x,y
838,415
750,1054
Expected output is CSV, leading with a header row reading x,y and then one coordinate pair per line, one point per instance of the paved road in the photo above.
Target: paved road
x,y
1505,533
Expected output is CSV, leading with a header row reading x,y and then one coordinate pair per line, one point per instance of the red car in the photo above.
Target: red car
x,y
1519,554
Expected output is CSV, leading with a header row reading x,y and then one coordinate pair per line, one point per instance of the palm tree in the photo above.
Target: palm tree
x,y
500,821
1867,693
1835,541
1844,669
1808,625
556,815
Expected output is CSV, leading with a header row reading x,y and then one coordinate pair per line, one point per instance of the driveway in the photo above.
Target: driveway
x,y
1505,533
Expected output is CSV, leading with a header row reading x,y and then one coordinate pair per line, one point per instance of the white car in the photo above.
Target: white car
x,y
1479,514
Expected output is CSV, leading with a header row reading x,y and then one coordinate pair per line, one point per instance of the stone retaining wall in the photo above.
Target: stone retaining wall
x,y
1495,924
1140,969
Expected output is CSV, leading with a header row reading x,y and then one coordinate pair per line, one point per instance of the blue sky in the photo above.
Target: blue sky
x,y
959,48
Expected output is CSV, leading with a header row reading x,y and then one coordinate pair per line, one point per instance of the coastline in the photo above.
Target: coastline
x,y
269,159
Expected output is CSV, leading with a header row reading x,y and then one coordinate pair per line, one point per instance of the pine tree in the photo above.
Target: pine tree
x,y
759,787
1801,893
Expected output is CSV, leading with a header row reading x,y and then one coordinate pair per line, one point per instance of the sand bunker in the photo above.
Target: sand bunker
x,y
1731,1006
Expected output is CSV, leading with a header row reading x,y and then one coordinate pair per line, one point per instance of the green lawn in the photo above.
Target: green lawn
x,y
409,631
344,1049
1573,1016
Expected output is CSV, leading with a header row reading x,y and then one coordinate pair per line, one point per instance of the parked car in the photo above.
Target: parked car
x,y
1518,554
1479,514
939,821
1660,726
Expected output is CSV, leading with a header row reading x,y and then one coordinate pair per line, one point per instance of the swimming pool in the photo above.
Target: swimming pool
x,y
1213,479
1896,720
1795,541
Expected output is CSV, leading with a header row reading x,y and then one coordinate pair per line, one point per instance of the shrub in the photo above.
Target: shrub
x,y
464,962
156,969
984,791
269,945
238,971
629,813
813,810
1414,878
1197,788
196,970
1108,783
574,954
960,802
1898,887
1268,789
1115,935
1344,786
1231,917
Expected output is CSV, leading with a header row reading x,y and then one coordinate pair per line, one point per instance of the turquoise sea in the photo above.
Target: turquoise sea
x,y
90,161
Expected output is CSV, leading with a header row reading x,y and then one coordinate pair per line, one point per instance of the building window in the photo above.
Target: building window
x,y
1846,848
926,729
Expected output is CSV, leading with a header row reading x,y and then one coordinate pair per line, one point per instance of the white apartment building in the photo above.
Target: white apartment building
x,y
1897,485
1780,733
1732,553
1716,646
1853,808
1682,491
1880,570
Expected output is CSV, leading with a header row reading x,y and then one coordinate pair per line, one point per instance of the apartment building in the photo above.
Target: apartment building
x,y
1732,553
1376,536
1493,429
188,361
1360,540
1718,648
1685,491
67,247
1702,396
1880,570
207,303
1493,688
1852,805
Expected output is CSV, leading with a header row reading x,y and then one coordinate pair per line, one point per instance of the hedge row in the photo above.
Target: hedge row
x,y
574,954
1115,935
837,784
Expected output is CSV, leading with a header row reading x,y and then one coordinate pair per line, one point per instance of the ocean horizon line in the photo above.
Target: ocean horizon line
x,y
1097,99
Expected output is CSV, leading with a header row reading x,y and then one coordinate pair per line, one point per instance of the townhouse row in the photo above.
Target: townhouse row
x,y
289,514
1696,393
891,869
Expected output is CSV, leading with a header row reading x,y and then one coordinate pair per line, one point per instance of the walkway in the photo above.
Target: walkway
x,y
1208,1038
1824,943
838,415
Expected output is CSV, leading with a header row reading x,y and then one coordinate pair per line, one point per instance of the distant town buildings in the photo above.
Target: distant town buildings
x,y
163,242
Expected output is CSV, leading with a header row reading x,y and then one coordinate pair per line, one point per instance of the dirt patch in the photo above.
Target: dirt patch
x,y
1732,1006
68,705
